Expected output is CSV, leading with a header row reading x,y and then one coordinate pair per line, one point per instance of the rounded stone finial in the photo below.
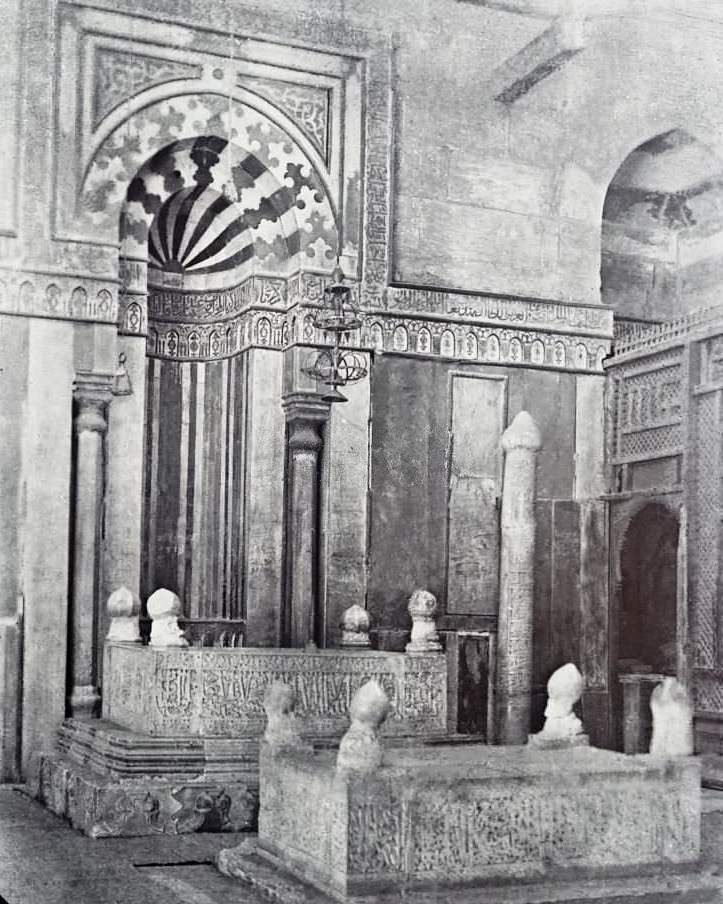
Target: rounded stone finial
x,y
162,603
370,705
164,607
522,433
360,749
422,603
279,698
282,727
566,683
422,608
123,607
355,624
672,711
562,727
122,603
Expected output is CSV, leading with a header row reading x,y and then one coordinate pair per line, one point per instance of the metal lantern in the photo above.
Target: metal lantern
x,y
337,366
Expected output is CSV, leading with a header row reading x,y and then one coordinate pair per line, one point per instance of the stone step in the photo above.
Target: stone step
x,y
271,882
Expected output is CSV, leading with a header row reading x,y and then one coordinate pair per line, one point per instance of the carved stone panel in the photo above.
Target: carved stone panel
x,y
461,815
120,74
217,692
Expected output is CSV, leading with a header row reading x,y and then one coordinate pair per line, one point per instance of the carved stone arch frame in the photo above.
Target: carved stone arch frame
x,y
350,66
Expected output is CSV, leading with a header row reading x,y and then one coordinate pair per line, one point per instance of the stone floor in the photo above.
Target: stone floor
x,y
44,861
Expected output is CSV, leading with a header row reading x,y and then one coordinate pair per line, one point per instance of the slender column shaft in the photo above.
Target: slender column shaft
x,y
521,442
305,444
92,394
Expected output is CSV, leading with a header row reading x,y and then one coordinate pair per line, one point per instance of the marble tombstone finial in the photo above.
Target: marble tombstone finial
x,y
164,607
562,727
355,624
360,749
123,608
422,608
282,726
672,711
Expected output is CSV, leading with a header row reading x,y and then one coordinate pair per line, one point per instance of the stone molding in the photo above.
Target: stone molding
x,y
305,409
273,312
381,331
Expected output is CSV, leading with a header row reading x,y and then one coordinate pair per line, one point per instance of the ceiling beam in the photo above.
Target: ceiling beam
x,y
537,60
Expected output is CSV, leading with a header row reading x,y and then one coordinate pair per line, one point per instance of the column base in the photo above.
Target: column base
x,y
84,701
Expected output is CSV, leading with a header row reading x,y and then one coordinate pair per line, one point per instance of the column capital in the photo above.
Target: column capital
x,y
306,407
92,393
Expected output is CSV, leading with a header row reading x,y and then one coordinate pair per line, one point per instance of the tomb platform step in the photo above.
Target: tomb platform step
x,y
108,806
696,883
110,781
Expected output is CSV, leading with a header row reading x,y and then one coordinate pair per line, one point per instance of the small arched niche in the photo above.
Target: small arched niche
x,y
644,630
662,230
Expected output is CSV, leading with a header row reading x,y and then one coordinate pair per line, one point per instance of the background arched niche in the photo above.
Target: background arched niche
x,y
222,232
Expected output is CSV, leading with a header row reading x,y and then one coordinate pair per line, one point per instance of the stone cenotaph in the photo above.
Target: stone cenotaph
x,y
177,747
399,820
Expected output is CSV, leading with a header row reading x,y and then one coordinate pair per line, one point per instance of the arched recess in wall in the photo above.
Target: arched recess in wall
x,y
645,618
662,229
217,236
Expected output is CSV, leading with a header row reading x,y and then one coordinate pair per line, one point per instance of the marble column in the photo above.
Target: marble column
x,y
521,443
92,393
305,413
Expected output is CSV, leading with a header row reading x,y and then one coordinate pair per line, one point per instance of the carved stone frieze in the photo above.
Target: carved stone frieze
x,y
206,307
132,315
58,296
506,312
103,807
121,74
220,692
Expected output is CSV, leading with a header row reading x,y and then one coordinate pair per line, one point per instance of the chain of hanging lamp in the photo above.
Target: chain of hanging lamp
x,y
337,366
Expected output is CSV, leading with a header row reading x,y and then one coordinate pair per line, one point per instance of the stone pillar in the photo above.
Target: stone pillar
x,y
92,395
304,414
521,442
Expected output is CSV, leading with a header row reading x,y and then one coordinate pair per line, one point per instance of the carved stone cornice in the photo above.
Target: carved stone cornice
x,y
502,311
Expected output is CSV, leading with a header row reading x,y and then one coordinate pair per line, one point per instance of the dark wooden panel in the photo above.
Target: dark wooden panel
x,y
473,683
594,597
408,504
595,715
167,501
541,652
565,598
